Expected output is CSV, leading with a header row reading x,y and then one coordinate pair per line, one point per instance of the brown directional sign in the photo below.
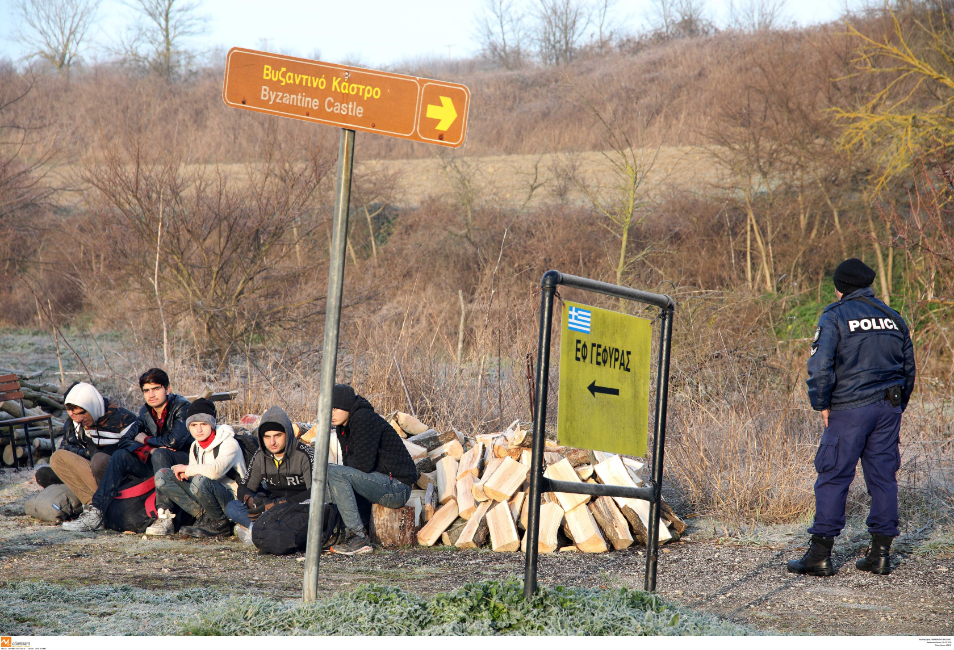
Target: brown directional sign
x,y
351,98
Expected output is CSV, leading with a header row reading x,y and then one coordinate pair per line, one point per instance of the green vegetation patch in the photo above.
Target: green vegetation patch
x,y
482,608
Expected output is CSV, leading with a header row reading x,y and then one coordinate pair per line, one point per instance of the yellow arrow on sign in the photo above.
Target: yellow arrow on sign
x,y
445,113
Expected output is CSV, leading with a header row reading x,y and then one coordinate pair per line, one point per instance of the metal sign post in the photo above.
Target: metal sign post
x,y
538,482
385,103
329,363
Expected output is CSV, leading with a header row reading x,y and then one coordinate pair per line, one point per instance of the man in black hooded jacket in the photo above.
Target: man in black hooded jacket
x,y
376,465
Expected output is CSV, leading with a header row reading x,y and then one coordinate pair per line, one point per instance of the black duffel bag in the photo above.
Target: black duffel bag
x,y
283,529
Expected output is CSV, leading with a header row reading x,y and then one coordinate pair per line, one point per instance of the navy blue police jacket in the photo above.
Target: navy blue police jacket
x,y
858,353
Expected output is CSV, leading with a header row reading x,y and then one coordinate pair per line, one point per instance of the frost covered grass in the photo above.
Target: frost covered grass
x,y
476,609
479,609
44,609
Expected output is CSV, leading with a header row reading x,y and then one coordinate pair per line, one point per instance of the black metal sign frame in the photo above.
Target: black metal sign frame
x,y
538,482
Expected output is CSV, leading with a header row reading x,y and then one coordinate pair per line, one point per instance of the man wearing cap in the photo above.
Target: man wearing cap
x,y
860,377
376,465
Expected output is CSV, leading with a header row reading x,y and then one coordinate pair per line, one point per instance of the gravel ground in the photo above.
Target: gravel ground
x,y
741,578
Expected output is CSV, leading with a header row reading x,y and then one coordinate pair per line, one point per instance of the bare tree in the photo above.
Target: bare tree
x,y
502,33
158,40
604,24
679,18
54,31
756,15
561,25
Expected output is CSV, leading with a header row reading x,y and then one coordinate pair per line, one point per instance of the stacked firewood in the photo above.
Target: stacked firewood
x,y
38,399
474,492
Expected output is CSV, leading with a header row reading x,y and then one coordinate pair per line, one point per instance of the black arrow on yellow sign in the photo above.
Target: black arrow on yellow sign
x,y
594,389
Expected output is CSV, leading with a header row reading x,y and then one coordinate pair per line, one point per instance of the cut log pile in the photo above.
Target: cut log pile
x,y
39,398
473,492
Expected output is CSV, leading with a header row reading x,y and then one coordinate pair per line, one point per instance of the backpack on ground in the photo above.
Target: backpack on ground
x,y
283,529
134,507
54,503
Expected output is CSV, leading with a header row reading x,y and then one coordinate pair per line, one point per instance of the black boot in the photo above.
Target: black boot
x,y
205,526
878,559
817,561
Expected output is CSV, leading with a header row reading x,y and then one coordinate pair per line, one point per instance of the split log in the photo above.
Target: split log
x,y
506,480
427,479
611,520
585,472
612,471
417,452
430,502
577,457
563,471
450,536
526,457
431,439
397,428
551,516
551,458
678,524
503,533
411,425
636,512
391,527
516,504
478,489
476,532
446,479
600,456
470,460
440,522
519,438
501,446
453,449
465,496
580,525
426,465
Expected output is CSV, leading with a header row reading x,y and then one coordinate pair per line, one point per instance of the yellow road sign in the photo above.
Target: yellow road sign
x,y
386,103
604,380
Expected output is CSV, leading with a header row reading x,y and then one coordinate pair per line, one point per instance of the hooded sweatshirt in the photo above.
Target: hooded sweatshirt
x,y
111,423
370,444
221,461
288,478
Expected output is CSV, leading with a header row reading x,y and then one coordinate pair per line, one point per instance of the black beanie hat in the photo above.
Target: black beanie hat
x,y
201,410
343,397
271,426
853,274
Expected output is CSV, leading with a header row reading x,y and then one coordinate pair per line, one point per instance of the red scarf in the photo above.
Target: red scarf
x,y
208,441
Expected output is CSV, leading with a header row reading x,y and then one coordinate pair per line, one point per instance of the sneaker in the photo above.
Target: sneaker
x,y
244,534
205,526
353,544
163,525
90,520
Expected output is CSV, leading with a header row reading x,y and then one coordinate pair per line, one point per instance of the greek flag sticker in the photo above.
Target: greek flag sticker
x,y
579,320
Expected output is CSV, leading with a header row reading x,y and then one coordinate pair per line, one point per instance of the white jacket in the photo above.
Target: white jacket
x,y
215,462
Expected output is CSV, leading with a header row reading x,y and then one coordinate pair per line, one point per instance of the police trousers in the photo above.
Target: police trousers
x,y
868,433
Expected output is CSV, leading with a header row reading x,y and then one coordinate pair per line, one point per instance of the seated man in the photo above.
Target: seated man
x,y
280,471
207,484
162,425
139,453
375,464
90,437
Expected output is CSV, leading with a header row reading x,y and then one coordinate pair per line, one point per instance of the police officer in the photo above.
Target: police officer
x,y
860,376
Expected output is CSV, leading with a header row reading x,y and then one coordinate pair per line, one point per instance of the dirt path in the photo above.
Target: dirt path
x,y
747,584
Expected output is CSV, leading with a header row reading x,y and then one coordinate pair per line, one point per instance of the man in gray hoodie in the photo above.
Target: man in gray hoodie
x,y
280,471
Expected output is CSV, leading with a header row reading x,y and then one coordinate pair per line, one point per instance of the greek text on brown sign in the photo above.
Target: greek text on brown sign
x,y
391,104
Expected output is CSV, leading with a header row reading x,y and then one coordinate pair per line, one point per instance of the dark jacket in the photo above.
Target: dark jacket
x,y
370,444
115,419
858,353
174,433
291,478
